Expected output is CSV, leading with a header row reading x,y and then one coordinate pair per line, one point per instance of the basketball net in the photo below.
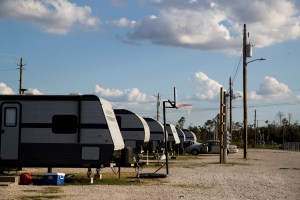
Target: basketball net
x,y
186,108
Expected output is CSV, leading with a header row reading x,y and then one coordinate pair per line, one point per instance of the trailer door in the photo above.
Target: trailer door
x,y
10,113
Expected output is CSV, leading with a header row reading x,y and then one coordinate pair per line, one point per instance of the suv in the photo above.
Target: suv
x,y
210,146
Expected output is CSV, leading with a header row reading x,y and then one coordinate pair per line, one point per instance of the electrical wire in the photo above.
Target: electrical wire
x,y
7,61
4,70
237,69
6,54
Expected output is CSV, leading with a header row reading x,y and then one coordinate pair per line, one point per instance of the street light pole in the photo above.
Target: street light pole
x,y
245,63
245,91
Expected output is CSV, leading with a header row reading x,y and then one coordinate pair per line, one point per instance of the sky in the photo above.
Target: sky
x,y
128,52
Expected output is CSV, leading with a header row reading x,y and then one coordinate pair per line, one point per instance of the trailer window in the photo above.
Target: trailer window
x,y
64,124
10,117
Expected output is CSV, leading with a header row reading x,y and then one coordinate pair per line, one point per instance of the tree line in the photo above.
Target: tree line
x,y
271,133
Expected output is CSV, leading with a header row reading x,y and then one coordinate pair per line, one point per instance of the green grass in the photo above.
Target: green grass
x,y
44,193
107,179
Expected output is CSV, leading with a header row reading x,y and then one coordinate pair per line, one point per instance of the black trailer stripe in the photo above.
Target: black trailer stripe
x,y
49,125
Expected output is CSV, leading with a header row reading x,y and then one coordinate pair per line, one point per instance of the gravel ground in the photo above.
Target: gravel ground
x,y
267,174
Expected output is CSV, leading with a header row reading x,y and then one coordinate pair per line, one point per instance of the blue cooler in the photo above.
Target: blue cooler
x,y
54,179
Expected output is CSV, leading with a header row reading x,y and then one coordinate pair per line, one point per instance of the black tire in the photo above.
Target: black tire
x,y
194,152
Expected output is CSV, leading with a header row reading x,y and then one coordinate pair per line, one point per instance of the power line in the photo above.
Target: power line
x,y
6,54
237,69
3,70
7,61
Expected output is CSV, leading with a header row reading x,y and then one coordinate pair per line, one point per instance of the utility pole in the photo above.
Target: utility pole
x,y
225,141
255,129
245,91
222,117
230,106
157,107
21,70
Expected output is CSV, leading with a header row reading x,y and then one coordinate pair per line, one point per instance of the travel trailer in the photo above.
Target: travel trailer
x,y
189,135
173,139
156,135
57,131
134,129
180,146
181,135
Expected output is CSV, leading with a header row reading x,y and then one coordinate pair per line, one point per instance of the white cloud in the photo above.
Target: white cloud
x,y
298,97
206,88
253,96
270,88
127,95
52,16
218,25
123,22
4,89
273,88
33,91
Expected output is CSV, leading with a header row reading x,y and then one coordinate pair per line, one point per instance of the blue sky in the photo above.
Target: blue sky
x,y
129,51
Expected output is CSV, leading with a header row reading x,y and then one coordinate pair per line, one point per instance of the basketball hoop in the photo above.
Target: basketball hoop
x,y
186,108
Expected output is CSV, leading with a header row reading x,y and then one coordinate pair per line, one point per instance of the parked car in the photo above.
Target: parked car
x,y
209,147
188,143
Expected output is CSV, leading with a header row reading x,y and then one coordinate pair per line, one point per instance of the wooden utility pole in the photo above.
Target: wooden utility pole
x,y
230,106
255,129
224,127
221,134
245,91
21,70
157,107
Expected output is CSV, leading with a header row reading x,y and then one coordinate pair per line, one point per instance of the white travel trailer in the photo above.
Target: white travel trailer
x,y
181,135
173,139
134,129
172,134
189,135
156,135
57,131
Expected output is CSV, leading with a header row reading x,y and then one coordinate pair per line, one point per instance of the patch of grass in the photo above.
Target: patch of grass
x,y
51,190
188,157
107,179
40,197
45,193
237,163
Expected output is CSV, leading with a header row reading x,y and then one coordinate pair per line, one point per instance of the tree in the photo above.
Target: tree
x,y
280,115
180,123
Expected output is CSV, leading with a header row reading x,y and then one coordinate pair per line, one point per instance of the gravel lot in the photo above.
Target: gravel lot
x,y
267,174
